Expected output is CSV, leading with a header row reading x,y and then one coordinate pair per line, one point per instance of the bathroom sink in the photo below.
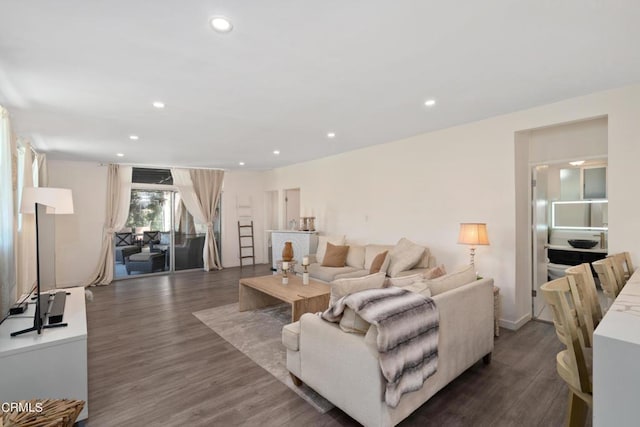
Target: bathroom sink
x,y
583,244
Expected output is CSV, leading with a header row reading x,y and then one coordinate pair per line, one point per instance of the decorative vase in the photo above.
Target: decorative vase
x,y
287,252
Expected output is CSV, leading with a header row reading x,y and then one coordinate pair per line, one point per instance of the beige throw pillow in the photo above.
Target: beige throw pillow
x,y
336,256
378,262
403,281
322,245
452,280
414,283
435,272
404,255
420,287
342,287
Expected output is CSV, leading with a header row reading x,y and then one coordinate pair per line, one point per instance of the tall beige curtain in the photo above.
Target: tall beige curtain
x,y
200,190
118,201
27,273
8,184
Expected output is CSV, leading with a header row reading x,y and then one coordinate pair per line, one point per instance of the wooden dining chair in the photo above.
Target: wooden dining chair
x,y
622,267
585,293
573,363
604,269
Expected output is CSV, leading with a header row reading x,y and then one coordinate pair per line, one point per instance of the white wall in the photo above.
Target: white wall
x,y
79,236
423,187
571,141
242,186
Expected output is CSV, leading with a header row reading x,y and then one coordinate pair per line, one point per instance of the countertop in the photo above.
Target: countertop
x,y
597,249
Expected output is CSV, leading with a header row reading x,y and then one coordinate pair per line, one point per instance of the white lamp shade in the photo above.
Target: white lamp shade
x,y
473,234
57,200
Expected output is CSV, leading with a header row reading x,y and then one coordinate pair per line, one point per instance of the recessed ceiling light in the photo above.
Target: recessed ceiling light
x,y
158,104
134,137
221,24
576,163
119,154
276,152
430,102
331,135
241,163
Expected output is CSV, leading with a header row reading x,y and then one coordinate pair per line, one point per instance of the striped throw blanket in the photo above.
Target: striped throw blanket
x,y
407,335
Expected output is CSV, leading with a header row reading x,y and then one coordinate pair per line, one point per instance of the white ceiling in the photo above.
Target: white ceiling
x,y
79,76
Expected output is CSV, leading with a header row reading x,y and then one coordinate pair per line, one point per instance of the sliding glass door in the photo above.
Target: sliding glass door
x,y
160,234
143,246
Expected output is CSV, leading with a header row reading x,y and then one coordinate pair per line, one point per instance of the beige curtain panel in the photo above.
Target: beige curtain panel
x,y
200,190
118,200
8,184
27,232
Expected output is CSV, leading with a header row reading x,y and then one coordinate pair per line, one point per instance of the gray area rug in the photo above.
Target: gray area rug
x,y
258,334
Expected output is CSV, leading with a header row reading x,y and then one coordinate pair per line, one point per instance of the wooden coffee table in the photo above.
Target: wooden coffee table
x,y
263,291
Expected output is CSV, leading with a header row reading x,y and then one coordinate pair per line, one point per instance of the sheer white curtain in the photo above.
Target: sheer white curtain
x,y
8,184
27,229
200,191
118,201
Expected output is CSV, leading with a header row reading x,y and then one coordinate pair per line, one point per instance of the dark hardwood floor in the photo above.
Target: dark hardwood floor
x,y
151,362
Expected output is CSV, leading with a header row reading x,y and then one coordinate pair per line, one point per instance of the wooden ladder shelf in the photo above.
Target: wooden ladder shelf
x,y
246,243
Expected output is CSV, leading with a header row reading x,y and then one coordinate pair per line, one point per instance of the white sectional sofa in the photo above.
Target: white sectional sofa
x,y
359,259
344,368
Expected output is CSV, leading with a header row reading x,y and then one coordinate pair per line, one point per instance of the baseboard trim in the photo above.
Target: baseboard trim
x,y
514,326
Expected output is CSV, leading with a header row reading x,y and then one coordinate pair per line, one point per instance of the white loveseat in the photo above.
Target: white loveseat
x,y
343,367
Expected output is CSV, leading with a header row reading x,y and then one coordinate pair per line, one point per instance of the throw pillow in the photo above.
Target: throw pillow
x,y
352,322
342,287
403,281
420,287
336,256
404,255
435,272
452,280
378,261
322,245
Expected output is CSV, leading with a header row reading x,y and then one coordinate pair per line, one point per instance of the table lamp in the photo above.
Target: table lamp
x,y
473,234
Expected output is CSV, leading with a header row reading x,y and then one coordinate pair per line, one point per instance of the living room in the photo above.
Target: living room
x,y
418,178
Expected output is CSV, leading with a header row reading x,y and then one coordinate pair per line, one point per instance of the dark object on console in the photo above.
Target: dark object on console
x,y
583,244
145,262
18,308
189,255
125,246
56,307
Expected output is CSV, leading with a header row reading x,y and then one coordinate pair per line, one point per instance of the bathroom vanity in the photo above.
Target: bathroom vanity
x,y
568,255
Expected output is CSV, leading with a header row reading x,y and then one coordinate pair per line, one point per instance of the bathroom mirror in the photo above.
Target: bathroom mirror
x,y
581,215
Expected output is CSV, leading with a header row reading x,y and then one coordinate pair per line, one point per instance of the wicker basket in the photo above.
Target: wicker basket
x,y
54,413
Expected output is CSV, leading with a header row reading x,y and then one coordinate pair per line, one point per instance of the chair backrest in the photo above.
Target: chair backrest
x,y
150,236
124,239
604,269
587,304
571,363
622,267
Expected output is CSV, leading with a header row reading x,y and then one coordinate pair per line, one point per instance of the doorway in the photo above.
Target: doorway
x,y
291,209
552,146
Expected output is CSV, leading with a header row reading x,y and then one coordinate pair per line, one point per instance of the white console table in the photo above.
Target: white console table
x,y
52,365
616,360
303,242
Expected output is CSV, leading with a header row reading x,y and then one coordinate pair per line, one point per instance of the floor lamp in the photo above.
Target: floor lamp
x,y
57,201
473,234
